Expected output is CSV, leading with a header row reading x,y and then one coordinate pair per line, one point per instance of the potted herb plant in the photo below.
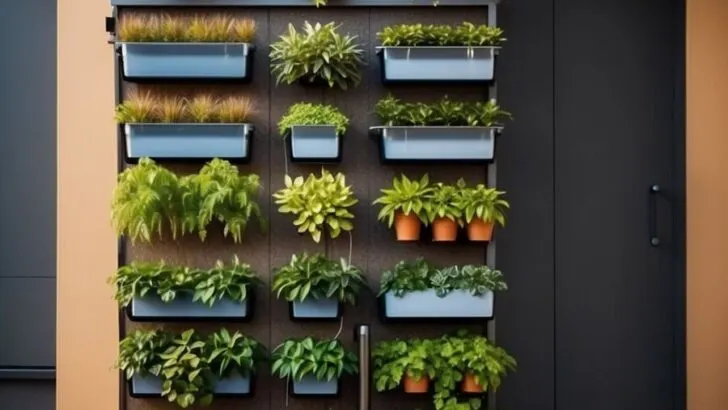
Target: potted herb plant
x,y
314,367
482,208
313,132
173,128
319,203
418,290
403,362
154,291
317,55
442,213
483,365
405,206
213,47
316,287
459,53
445,131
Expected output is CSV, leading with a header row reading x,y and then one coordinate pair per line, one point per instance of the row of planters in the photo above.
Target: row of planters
x,y
202,127
314,286
149,199
220,47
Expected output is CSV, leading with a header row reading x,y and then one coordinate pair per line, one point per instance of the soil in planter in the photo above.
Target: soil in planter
x,y
407,227
470,385
480,231
416,386
444,230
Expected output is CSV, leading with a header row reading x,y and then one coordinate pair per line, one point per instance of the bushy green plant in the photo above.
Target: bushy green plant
x,y
406,196
483,203
324,359
319,53
393,112
231,281
317,277
199,29
394,359
319,203
313,114
231,353
465,34
442,202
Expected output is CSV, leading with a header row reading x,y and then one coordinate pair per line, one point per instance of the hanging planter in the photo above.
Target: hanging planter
x,y
313,132
442,213
328,308
309,385
413,385
470,384
152,308
427,304
151,386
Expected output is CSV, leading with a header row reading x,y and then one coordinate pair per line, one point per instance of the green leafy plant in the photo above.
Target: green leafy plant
x,y
317,277
324,359
393,112
484,203
442,202
319,203
313,114
230,353
146,108
406,196
487,362
465,34
394,359
319,53
199,29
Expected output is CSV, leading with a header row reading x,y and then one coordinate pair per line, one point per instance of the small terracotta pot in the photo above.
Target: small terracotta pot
x,y
412,385
470,385
407,227
479,230
444,230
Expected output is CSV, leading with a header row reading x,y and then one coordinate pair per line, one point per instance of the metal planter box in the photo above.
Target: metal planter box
x,y
321,309
314,143
188,141
436,143
437,64
310,386
151,386
427,305
193,61
182,308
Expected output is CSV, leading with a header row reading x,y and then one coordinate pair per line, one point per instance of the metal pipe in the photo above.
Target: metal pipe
x,y
361,334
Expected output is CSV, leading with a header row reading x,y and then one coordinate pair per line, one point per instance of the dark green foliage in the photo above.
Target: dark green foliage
x,y
325,359
393,112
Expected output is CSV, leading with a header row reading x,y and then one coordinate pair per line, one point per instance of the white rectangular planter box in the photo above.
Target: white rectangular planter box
x,y
152,386
315,143
310,386
151,306
437,63
427,305
163,60
432,143
316,309
188,141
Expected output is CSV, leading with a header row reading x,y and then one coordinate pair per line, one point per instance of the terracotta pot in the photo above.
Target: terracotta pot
x,y
444,230
479,230
470,385
407,227
412,385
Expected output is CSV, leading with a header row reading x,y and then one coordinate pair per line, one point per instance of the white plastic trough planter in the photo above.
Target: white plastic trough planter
x,y
310,386
149,386
437,143
316,309
427,305
152,307
314,143
196,61
188,141
433,63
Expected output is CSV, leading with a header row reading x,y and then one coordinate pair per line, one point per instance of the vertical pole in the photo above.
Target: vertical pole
x,y
361,334
491,182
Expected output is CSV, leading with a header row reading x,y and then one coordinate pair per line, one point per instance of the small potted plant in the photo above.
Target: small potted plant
x,y
319,203
442,213
318,55
213,47
316,287
418,290
405,206
403,362
313,132
440,53
175,129
314,367
482,208
156,291
483,365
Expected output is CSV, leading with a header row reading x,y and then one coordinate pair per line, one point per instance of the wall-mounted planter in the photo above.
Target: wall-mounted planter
x,y
310,386
314,143
436,143
457,304
182,308
151,386
184,142
316,309
437,64
187,61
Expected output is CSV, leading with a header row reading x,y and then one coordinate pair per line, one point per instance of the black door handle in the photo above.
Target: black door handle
x,y
652,215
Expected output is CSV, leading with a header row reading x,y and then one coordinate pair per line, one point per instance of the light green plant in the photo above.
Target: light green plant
x,y
313,114
483,203
442,202
395,359
393,112
406,196
325,359
465,34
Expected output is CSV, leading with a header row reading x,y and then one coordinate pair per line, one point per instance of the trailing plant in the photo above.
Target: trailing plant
x,y
319,203
231,281
442,202
317,277
199,29
313,114
406,196
393,112
420,275
145,108
319,53
395,359
484,203
326,360
464,34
